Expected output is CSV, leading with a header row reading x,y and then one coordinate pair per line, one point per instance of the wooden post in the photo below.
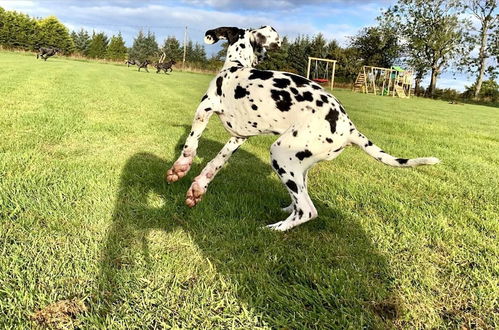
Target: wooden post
x,y
308,67
389,82
365,80
374,80
395,82
384,81
332,77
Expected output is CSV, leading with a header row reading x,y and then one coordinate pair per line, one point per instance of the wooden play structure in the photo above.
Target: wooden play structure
x,y
384,81
321,70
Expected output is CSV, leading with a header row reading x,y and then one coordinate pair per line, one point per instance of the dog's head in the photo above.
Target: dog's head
x,y
248,46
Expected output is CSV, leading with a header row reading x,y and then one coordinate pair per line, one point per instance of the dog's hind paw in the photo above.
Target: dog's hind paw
x,y
194,194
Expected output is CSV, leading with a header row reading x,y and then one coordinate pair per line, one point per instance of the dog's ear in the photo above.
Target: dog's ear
x,y
231,34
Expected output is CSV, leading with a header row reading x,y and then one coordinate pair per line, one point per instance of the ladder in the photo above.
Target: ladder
x,y
360,83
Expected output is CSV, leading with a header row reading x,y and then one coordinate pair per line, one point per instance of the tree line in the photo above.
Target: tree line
x,y
429,36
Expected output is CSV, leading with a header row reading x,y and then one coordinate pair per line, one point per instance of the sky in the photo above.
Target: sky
x,y
335,19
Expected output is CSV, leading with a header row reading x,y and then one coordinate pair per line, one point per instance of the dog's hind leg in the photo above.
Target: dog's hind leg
x,y
183,164
200,184
292,155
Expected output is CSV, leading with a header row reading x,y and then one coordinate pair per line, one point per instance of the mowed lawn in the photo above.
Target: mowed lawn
x,y
89,228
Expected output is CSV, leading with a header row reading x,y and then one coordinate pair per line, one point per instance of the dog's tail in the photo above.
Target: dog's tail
x,y
376,152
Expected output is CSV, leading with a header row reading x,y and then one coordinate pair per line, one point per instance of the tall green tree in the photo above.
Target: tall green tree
x,y
481,36
198,53
51,32
432,31
144,47
298,53
98,45
172,49
377,46
318,46
81,40
116,49
17,30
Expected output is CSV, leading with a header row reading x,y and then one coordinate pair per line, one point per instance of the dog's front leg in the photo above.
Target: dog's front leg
x,y
200,184
184,162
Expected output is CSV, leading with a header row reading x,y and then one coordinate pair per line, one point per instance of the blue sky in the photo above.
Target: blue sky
x,y
336,19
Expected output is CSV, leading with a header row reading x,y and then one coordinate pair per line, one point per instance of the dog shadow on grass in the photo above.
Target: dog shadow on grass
x,y
325,273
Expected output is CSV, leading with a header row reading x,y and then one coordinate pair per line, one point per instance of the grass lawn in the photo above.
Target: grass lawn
x,y
89,228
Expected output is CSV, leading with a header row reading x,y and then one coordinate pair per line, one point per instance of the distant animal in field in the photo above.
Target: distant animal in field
x,y
143,65
313,125
130,62
46,52
164,66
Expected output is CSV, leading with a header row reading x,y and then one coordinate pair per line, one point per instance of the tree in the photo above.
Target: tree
x,y
298,53
116,49
51,32
484,11
172,49
222,53
81,40
318,46
198,53
144,47
98,45
432,31
377,46
349,63
489,91
17,30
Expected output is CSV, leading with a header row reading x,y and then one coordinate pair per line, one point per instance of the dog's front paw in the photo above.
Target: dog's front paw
x,y
194,194
178,170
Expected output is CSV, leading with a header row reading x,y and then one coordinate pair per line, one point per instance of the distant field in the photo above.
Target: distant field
x,y
87,221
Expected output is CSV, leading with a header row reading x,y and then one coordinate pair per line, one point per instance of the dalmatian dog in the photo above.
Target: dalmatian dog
x,y
312,124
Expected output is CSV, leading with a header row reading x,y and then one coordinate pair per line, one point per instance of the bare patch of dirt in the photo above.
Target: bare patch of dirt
x,y
59,315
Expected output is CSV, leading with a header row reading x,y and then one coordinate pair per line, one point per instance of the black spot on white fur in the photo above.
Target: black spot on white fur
x,y
298,80
240,92
260,74
292,185
282,83
303,154
219,85
282,99
332,118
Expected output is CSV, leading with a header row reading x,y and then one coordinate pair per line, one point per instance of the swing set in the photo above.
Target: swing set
x,y
384,81
322,65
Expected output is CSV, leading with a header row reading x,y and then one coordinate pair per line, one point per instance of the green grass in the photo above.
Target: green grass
x,y
85,213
